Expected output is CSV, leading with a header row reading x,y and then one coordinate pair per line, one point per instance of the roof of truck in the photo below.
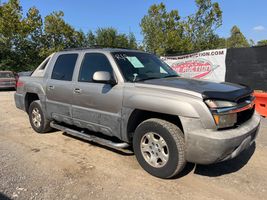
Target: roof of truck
x,y
100,49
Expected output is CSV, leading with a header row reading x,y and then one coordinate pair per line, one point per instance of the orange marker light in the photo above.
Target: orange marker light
x,y
216,119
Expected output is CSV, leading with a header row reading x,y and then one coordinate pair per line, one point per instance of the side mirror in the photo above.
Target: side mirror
x,y
103,77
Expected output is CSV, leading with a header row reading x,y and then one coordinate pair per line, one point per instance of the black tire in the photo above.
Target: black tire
x,y
44,123
174,141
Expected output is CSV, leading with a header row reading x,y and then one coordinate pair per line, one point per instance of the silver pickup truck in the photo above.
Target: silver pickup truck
x,y
131,99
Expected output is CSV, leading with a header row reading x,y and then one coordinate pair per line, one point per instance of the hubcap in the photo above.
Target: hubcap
x,y
36,117
154,149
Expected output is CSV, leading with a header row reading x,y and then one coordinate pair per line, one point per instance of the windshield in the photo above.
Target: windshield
x,y
137,66
6,75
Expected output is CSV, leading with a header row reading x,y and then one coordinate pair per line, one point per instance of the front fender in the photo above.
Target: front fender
x,y
162,105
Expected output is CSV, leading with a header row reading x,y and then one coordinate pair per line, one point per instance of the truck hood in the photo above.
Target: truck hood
x,y
208,89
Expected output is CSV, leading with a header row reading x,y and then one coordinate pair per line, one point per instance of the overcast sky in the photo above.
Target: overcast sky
x,y
125,15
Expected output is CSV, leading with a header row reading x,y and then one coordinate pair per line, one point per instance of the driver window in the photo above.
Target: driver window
x,y
93,62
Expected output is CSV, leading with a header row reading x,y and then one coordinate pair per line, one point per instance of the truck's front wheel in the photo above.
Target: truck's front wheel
x,y
37,118
159,148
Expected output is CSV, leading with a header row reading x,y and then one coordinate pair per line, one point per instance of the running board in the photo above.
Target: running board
x,y
92,138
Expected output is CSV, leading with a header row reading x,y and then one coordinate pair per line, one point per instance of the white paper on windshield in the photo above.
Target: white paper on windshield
x,y
135,62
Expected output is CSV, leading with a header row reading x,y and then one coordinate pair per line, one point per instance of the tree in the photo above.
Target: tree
x,y
28,43
60,35
57,33
109,37
202,25
237,39
91,41
132,44
163,31
19,37
10,27
251,43
262,43
220,43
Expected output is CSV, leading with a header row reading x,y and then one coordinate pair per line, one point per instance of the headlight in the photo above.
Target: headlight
x,y
222,120
219,104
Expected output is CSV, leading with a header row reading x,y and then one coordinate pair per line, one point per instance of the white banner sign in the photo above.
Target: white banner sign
x,y
208,65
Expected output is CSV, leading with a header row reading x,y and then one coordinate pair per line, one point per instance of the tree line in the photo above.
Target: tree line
x,y
26,40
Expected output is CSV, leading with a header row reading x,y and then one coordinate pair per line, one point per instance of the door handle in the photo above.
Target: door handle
x,y
51,87
77,90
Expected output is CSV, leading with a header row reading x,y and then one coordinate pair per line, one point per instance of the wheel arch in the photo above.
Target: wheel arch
x,y
138,116
29,98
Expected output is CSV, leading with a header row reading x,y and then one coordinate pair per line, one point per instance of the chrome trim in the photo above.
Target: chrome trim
x,y
248,104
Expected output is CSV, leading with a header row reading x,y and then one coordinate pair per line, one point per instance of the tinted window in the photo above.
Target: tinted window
x,y
64,67
93,62
45,64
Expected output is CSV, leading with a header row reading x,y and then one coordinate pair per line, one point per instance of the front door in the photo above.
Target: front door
x,y
96,106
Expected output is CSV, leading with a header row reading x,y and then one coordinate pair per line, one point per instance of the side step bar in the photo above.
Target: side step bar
x,y
92,138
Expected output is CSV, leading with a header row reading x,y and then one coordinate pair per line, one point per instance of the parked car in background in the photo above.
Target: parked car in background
x,y
26,73
7,80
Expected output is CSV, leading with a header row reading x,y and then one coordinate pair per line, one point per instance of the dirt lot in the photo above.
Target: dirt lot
x,y
56,166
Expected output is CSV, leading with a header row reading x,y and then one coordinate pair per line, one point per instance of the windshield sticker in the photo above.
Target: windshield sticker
x,y
120,56
135,62
163,71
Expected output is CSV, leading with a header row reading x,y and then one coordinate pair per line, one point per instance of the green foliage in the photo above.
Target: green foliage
x,y
10,28
19,37
109,37
262,43
251,43
59,35
237,39
164,32
26,41
203,23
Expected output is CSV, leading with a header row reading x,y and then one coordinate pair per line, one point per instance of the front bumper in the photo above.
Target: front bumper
x,y
206,146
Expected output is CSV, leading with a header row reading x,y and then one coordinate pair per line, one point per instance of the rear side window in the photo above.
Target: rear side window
x,y
45,64
93,62
64,67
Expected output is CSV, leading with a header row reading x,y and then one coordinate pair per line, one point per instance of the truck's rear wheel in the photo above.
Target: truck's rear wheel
x,y
37,118
159,148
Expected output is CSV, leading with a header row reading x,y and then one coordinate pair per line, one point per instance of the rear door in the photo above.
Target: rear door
x,y
59,88
97,106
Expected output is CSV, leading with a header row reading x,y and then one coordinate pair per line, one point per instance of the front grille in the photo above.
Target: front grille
x,y
244,116
243,99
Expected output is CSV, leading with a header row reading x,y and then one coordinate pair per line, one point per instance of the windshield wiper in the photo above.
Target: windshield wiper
x,y
149,78
173,75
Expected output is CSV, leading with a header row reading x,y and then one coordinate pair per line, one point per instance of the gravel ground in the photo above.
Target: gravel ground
x,y
56,166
